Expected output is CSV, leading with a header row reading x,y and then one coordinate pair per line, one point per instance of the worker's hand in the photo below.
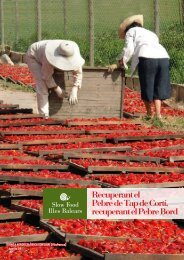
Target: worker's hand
x,y
122,64
73,96
112,67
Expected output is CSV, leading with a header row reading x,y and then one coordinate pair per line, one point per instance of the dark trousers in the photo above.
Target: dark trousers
x,y
154,78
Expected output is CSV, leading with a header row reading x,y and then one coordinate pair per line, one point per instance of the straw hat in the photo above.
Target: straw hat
x,y
128,21
64,54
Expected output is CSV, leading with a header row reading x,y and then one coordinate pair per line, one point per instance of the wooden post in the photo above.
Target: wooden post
x,y
91,32
65,17
2,21
123,84
16,20
39,20
182,11
156,17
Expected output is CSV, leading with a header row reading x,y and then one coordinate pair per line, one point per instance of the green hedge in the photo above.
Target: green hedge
x,y
108,46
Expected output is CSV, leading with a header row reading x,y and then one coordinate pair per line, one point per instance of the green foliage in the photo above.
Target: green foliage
x,y
107,47
157,122
23,43
173,41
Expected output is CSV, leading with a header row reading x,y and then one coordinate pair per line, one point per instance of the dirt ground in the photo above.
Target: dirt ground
x,y
179,105
25,99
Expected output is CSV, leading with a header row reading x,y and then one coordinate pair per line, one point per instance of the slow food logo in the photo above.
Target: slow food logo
x,y
65,203
64,197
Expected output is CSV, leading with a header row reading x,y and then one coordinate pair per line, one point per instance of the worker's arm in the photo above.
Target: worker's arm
x,y
47,76
128,50
126,54
77,83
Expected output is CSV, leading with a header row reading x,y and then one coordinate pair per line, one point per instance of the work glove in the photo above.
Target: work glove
x,y
112,67
73,96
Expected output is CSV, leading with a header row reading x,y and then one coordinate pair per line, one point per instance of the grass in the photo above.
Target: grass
x,y
4,85
157,122
174,123
168,123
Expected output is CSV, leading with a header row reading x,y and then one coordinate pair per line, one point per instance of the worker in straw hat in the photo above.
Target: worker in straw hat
x,y
143,48
42,58
5,55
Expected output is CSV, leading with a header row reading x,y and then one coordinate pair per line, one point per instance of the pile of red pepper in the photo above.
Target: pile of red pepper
x,y
19,74
158,236
3,209
18,228
155,229
43,174
41,187
95,162
33,204
131,246
134,105
31,252
143,178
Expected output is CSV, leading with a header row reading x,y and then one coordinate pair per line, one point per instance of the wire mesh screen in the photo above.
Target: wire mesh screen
x,y
63,18
171,17
19,23
93,24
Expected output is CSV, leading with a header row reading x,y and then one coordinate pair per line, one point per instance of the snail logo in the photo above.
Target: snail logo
x,y
64,197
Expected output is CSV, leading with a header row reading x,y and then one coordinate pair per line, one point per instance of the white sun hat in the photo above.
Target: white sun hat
x,y
128,21
64,55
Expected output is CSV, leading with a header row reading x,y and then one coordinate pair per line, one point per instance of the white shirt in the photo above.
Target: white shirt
x,y
37,51
140,42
